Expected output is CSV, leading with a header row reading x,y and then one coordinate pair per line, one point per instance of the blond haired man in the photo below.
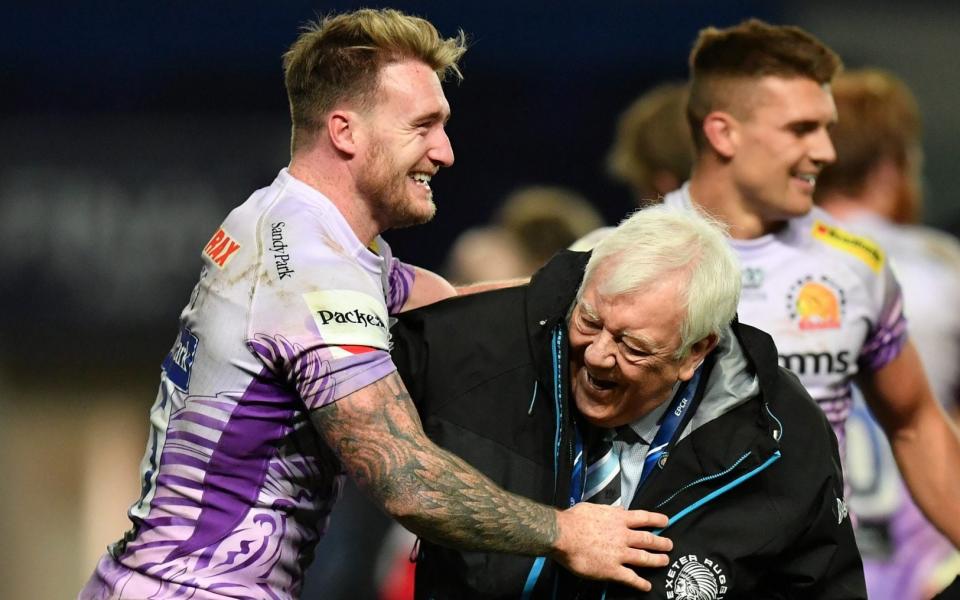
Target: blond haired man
x,y
280,382
874,188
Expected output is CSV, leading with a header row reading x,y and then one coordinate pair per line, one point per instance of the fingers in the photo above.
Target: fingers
x,y
643,559
630,578
604,542
637,519
648,541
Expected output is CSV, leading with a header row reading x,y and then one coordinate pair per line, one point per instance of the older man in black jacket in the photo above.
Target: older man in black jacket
x,y
626,379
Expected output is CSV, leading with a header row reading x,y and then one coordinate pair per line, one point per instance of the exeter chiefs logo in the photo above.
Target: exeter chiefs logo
x,y
690,579
816,303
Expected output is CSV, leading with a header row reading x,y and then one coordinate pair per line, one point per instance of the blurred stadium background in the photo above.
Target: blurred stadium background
x,y
130,129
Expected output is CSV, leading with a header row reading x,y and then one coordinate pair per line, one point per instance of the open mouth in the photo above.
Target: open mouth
x,y
422,179
600,384
810,179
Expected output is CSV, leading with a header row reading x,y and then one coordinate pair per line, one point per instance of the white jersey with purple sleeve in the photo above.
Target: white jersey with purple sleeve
x,y
291,313
904,556
828,298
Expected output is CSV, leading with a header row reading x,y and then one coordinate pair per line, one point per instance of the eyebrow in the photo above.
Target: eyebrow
x,y
585,307
643,342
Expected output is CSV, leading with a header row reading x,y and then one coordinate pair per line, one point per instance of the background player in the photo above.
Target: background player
x,y
652,151
874,187
760,108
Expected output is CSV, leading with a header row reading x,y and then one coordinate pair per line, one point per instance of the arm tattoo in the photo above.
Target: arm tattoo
x,y
378,436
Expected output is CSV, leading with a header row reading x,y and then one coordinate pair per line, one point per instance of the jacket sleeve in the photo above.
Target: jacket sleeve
x,y
409,350
822,561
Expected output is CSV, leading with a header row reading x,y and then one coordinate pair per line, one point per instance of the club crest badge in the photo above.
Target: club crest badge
x,y
816,303
691,578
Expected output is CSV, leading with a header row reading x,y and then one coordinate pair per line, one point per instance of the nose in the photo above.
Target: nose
x,y
822,151
601,352
441,151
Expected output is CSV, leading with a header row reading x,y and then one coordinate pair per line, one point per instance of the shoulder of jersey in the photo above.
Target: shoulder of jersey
x,y
941,245
825,233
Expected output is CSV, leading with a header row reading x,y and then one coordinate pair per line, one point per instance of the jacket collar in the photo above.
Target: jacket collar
x,y
749,437
549,296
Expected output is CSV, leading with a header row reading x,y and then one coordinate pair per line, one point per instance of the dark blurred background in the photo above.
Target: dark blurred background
x,y
129,130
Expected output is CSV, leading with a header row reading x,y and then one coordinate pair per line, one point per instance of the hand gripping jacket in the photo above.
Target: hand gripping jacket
x,y
754,495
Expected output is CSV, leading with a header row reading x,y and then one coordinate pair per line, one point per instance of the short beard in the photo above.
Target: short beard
x,y
384,186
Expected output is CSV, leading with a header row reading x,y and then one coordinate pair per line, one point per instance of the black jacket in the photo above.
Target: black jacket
x,y
754,496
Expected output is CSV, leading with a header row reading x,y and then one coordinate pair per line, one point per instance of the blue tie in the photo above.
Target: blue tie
x,y
603,473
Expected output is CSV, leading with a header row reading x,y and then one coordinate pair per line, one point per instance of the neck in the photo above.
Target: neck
x,y
334,179
844,207
714,191
880,193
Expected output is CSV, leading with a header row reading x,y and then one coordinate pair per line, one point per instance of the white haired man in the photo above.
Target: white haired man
x,y
626,378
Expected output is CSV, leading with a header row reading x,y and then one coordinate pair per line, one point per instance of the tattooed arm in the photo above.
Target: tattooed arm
x,y
378,436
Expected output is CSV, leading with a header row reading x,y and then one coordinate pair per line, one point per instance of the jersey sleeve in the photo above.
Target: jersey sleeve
x,y
400,280
318,318
888,333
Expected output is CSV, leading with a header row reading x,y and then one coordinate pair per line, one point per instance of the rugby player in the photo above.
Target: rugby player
x,y
280,382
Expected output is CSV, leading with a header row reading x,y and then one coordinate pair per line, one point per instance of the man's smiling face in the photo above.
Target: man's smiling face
x,y
406,145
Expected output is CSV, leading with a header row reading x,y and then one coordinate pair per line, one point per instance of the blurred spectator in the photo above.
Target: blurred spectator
x,y
532,225
875,188
485,253
653,151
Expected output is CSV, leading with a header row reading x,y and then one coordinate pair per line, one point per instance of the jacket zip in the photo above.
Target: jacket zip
x,y
557,345
716,493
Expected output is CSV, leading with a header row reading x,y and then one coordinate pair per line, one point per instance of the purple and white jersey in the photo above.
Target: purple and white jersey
x,y
904,556
828,298
291,313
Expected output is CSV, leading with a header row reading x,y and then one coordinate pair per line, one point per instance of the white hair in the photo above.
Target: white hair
x,y
659,241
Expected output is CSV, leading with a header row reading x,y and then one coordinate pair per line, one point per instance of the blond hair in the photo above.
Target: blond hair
x,y
653,137
341,56
546,219
723,59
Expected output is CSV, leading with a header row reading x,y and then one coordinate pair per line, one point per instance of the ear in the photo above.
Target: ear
x,y
343,130
698,353
722,131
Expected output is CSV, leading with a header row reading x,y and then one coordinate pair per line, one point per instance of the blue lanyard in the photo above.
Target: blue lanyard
x,y
578,477
668,433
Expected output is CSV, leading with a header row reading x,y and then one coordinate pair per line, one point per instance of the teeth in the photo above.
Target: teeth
x,y
812,179
421,178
